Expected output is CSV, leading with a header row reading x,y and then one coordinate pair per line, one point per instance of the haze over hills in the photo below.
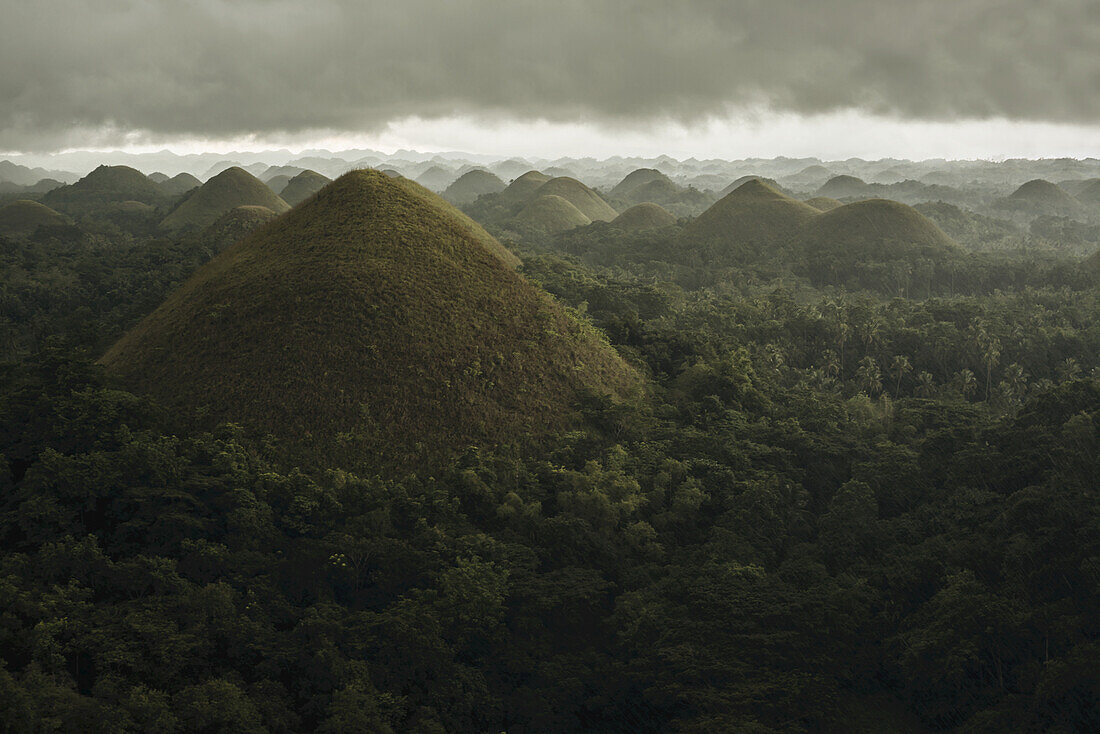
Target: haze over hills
x,y
179,184
231,188
373,314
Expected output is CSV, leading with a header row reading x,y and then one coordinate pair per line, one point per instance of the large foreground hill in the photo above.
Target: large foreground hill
x,y
372,326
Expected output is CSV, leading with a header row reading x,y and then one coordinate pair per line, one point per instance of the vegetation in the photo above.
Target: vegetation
x,y
22,217
644,216
235,224
471,185
549,214
855,497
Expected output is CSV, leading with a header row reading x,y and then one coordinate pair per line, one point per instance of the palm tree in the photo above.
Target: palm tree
x,y
926,385
1068,370
869,376
965,382
900,367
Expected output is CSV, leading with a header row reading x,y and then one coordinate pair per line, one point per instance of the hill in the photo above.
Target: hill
x,y
235,225
229,189
585,199
839,187
872,230
1090,192
368,327
657,191
749,221
24,217
523,188
738,183
471,185
157,177
1043,192
823,203
644,216
303,186
278,183
180,184
551,214
436,178
637,178
104,185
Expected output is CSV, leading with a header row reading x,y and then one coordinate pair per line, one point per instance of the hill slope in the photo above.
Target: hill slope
x,y
104,185
303,186
471,185
585,199
751,220
180,184
228,190
873,230
644,216
839,187
550,214
637,178
523,188
370,328
24,217
236,224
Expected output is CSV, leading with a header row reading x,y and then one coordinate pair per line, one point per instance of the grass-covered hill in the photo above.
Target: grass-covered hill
x,y
471,185
236,224
658,191
637,178
576,193
750,221
523,188
549,214
872,231
180,184
228,190
1041,197
436,178
278,183
103,186
644,216
157,177
23,217
839,187
303,186
739,182
370,326
824,203
1089,193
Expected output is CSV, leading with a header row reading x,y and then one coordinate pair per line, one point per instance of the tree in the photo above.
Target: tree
x,y
926,384
869,376
900,367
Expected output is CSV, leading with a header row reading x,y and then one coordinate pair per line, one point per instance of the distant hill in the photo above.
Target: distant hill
x,y
236,224
644,216
276,171
278,183
303,186
510,169
973,231
436,178
1090,192
471,185
658,191
256,169
231,188
738,183
839,187
157,177
369,328
823,203
637,178
523,188
576,193
872,230
550,214
104,185
24,217
1041,197
750,221
180,184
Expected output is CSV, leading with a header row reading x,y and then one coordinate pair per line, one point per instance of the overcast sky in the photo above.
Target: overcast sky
x,y
710,78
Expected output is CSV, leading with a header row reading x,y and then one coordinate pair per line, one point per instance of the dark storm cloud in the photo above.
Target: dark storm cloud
x,y
231,67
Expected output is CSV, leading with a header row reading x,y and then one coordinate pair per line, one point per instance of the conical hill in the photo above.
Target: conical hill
x,y
368,327
303,186
523,188
105,185
471,185
576,193
23,217
749,221
874,230
180,184
236,224
644,216
550,214
637,178
228,190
